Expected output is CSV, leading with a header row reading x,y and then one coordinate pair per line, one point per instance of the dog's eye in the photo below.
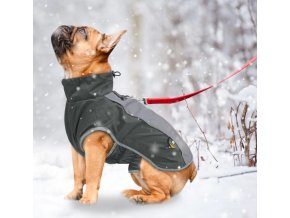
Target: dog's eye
x,y
82,31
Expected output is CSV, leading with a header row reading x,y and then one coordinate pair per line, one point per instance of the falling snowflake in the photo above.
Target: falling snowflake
x,y
154,148
165,67
98,123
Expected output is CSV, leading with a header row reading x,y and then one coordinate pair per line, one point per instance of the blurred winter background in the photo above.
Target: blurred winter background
x,y
171,47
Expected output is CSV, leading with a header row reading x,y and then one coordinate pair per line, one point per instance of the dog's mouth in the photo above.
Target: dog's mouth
x,y
61,39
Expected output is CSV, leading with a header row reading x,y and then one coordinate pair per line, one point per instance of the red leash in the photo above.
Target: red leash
x,y
183,97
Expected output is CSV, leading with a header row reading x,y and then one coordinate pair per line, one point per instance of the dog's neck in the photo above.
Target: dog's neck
x,y
81,71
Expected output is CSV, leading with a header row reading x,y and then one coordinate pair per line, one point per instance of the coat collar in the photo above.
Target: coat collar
x,y
88,87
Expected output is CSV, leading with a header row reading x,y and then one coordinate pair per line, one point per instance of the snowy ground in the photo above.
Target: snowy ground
x,y
222,198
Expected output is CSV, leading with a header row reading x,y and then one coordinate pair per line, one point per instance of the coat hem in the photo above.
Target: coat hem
x,y
104,129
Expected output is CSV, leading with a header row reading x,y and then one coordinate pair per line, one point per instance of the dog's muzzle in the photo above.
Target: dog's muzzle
x,y
60,39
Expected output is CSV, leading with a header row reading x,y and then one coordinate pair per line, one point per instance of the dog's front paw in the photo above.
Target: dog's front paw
x,y
74,195
88,199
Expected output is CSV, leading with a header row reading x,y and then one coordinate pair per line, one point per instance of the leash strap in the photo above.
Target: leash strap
x,y
183,97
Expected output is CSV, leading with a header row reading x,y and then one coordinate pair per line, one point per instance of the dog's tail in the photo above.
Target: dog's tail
x,y
193,172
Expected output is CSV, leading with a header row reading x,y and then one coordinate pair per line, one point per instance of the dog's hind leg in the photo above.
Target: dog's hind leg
x,y
157,183
139,181
79,167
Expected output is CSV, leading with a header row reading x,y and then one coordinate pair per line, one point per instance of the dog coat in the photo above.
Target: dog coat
x,y
137,131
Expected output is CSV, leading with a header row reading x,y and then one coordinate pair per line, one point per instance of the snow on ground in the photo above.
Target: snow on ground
x,y
222,198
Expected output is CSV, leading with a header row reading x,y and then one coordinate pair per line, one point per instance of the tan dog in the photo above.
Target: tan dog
x,y
83,51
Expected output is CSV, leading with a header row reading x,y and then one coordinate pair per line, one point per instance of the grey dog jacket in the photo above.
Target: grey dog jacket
x,y
137,131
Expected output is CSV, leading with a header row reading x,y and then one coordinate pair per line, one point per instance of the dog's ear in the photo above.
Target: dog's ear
x,y
110,41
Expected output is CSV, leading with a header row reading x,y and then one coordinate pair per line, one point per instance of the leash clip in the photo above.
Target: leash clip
x,y
142,100
116,73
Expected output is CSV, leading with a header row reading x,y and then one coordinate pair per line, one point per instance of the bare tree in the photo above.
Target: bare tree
x,y
245,136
